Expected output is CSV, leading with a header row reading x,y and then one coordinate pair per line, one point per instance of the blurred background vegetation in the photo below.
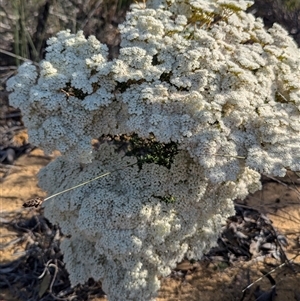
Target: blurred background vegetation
x,y
25,25
284,12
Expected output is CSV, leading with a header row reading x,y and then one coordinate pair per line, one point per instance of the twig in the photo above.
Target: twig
x,y
12,115
36,202
12,242
284,184
54,276
91,13
8,68
18,57
269,273
8,166
45,269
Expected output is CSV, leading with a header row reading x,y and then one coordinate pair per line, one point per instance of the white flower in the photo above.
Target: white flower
x,y
125,222
203,74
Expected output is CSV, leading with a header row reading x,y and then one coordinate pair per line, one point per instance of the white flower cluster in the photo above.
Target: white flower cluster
x,y
201,73
121,231
71,98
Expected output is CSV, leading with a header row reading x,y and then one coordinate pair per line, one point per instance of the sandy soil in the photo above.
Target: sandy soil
x,y
206,280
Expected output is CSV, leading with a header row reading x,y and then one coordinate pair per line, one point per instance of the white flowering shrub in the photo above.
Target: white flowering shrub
x,y
202,74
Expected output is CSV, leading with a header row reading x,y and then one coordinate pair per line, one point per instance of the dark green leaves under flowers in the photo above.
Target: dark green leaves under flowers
x,y
145,150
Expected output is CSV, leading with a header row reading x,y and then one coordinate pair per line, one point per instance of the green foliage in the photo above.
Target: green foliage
x,y
145,150
291,4
169,199
20,34
32,22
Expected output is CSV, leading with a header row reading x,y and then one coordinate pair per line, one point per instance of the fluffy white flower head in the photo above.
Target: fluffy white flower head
x,y
204,75
72,88
122,229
